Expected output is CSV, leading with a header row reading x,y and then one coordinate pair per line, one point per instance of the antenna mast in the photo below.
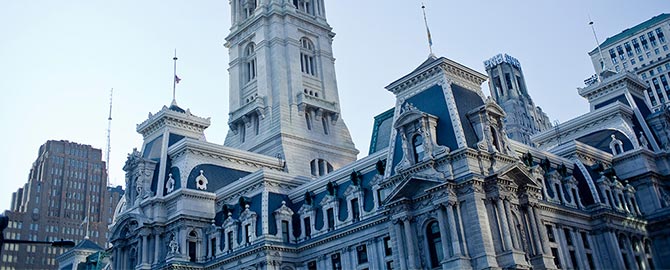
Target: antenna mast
x,y
109,132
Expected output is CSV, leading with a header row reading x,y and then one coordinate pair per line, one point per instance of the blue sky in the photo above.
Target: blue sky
x,y
59,59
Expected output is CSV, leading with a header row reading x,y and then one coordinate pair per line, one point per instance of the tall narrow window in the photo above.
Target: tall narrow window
x,y
247,233
355,213
212,247
304,6
336,262
326,128
330,215
307,59
308,120
434,244
230,240
362,254
308,226
250,62
417,143
284,231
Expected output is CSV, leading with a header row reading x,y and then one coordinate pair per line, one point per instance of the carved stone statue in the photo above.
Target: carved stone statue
x,y
643,141
173,245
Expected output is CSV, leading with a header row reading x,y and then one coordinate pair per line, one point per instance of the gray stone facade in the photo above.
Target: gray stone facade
x,y
443,188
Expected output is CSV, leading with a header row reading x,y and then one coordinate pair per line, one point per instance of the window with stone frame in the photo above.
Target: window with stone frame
x,y
248,8
307,57
434,243
249,62
230,229
284,219
305,6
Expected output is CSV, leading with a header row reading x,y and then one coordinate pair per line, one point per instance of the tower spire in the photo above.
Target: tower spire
x,y
176,79
430,38
109,132
600,52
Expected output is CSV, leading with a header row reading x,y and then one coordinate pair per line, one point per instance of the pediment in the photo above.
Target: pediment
x,y
518,173
413,187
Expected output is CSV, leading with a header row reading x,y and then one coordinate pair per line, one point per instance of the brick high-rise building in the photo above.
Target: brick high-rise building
x,y
66,184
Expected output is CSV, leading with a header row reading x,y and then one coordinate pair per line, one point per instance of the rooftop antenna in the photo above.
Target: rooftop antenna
x,y
600,52
176,79
109,132
430,38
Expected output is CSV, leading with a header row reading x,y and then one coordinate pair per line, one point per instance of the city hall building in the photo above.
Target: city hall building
x,y
443,187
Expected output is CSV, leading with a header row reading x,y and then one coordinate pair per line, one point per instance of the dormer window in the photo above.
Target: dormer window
x,y
307,59
417,143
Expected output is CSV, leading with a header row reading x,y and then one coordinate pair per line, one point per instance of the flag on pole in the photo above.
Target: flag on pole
x,y
176,78
85,221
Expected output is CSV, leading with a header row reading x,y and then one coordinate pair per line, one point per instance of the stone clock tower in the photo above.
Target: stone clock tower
x,y
284,100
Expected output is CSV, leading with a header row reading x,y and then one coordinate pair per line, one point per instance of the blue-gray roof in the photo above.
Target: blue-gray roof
x,y
632,31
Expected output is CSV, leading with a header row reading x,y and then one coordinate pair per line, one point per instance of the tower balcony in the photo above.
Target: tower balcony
x,y
256,106
307,103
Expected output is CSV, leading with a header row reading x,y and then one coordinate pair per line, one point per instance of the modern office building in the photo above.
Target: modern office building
x,y
66,197
644,50
507,86
442,187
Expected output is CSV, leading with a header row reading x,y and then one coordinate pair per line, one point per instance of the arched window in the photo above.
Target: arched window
x,y
132,262
307,59
250,62
434,244
320,167
192,244
308,120
417,144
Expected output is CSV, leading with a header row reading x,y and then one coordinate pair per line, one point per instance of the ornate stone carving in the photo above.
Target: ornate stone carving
x,y
201,181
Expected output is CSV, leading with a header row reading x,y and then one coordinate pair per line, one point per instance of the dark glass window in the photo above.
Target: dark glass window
x,y
434,244
354,209
230,240
308,226
550,233
311,265
585,240
417,142
284,231
388,251
336,261
362,254
330,215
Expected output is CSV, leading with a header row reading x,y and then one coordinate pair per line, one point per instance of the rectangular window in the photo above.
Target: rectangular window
x,y
657,51
573,259
388,251
660,35
308,227
652,38
629,50
636,46
362,254
336,262
355,213
589,259
640,58
284,231
585,240
330,215
643,40
212,247
568,236
557,259
508,81
247,233
619,50
311,265
550,233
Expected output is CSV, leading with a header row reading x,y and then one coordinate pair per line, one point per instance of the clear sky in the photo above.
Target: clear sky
x,y
59,59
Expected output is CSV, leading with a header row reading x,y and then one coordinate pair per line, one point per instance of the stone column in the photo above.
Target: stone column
x,y
454,231
145,249
533,231
510,222
461,233
544,239
345,258
157,248
442,221
115,258
409,238
398,243
373,254
502,216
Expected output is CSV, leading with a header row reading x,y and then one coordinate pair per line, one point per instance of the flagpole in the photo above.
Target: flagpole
x,y
425,21
88,222
174,78
600,52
